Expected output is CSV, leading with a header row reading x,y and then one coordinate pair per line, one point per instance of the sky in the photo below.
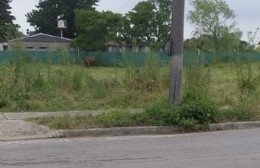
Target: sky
x,y
247,12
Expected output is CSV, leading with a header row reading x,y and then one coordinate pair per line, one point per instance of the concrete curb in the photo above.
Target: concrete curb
x,y
124,131
234,126
160,130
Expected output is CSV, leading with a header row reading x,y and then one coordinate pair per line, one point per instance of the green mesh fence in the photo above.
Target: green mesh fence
x,y
118,58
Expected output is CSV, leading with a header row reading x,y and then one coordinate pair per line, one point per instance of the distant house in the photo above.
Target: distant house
x,y
122,47
40,42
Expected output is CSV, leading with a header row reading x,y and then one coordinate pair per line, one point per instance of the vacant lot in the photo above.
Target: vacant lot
x,y
42,87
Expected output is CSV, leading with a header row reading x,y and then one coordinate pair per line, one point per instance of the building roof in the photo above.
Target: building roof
x,y
42,37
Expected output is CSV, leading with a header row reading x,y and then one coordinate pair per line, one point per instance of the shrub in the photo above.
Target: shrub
x,y
160,114
3,103
188,124
199,110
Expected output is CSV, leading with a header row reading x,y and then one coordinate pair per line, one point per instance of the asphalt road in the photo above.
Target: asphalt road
x,y
227,149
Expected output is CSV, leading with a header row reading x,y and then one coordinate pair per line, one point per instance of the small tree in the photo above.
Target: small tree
x,y
253,38
214,18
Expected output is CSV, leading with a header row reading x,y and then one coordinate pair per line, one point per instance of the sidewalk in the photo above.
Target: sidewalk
x,y
14,129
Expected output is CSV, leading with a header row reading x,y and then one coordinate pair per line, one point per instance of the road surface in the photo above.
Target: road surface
x,y
227,149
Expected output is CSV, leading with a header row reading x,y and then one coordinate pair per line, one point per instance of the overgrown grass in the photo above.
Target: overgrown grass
x,y
159,114
30,86
217,93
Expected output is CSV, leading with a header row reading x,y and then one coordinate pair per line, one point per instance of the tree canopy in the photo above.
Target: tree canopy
x,y
216,19
96,28
44,18
8,30
150,21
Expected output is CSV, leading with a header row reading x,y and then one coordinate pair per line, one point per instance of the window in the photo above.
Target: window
x,y
43,48
30,48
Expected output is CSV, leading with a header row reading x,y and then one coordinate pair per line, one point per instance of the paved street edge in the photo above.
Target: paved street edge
x,y
160,130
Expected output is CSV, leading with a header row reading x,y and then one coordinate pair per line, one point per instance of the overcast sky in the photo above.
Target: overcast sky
x,y
248,13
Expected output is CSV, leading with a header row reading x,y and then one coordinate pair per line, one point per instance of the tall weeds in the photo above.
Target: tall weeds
x,y
144,78
248,82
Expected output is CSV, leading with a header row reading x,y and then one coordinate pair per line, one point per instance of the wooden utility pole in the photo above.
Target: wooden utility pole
x,y
176,60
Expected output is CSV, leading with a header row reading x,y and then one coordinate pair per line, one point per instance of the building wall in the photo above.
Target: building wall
x,y
128,48
38,46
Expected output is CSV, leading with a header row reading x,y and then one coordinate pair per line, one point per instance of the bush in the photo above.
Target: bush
x,y
160,114
200,110
188,124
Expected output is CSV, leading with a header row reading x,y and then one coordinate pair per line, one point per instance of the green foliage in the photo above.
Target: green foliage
x,y
189,124
199,110
98,90
141,82
144,78
32,86
111,82
197,77
8,29
78,84
151,22
253,39
141,17
44,18
62,122
160,114
115,118
247,81
96,28
214,18
247,85
236,113
197,107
